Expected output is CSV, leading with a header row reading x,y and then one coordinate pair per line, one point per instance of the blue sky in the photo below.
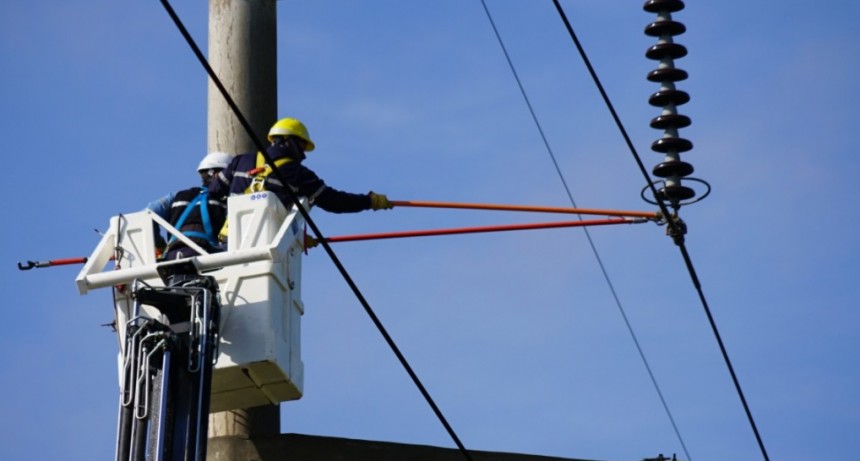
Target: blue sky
x,y
515,335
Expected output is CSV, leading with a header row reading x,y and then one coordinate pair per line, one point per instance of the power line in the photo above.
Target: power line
x,y
306,215
676,232
588,234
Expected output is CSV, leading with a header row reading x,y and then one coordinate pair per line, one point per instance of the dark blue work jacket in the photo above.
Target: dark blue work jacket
x,y
200,225
236,179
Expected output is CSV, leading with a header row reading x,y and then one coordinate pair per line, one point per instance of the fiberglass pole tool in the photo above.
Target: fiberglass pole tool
x,y
483,229
538,209
615,217
53,262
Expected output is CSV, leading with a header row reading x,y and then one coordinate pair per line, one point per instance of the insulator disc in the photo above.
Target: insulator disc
x,y
666,121
656,6
665,27
677,193
673,168
673,144
666,50
667,74
664,97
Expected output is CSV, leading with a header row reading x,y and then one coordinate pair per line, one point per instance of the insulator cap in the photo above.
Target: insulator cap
x,y
677,193
666,50
666,121
669,96
656,6
665,27
671,144
672,168
667,74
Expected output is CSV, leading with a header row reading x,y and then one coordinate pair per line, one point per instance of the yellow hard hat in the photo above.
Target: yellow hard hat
x,y
291,127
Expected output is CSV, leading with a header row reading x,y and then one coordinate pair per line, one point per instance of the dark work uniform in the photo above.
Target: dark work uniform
x,y
194,223
235,180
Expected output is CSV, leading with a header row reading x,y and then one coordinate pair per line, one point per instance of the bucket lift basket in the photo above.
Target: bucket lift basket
x,y
259,275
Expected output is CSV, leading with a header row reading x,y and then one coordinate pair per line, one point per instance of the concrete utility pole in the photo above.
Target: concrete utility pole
x,y
242,52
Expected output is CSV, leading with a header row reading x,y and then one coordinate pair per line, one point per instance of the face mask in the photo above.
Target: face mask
x,y
207,175
291,145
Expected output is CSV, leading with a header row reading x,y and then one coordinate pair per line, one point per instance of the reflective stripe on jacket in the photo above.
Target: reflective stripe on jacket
x,y
194,225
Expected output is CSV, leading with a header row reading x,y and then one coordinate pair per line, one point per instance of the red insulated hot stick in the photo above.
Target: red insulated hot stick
x,y
540,209
65,261
472,230
53,262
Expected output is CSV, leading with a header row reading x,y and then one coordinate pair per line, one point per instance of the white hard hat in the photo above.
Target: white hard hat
x,y
215,160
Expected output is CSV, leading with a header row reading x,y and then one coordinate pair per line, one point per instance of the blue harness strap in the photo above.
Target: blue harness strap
x,y
200,200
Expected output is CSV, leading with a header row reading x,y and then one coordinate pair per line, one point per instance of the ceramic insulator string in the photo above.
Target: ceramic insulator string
x,y
672,169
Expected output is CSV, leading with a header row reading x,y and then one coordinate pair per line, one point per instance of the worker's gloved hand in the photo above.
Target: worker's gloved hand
x,y
379,202
310,242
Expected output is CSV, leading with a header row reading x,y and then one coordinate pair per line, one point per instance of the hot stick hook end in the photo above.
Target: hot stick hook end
x,y
30,265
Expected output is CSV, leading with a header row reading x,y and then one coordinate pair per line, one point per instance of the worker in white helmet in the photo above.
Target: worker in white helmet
x,y
184,211
209,167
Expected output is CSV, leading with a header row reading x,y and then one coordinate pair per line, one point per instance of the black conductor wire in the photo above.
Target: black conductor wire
x,y
306,215
603,269
675,229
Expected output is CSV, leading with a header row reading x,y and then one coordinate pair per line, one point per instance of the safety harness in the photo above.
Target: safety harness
x,y
258,175
200,200
261,172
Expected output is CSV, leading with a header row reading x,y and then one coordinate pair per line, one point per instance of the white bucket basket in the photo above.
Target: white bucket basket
x,y
259,277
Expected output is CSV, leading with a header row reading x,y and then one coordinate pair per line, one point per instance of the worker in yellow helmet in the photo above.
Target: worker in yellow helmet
x,y
289,141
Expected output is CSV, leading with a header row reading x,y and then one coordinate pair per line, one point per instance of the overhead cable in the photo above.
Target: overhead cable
x,y
306,215
588,234
675,230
